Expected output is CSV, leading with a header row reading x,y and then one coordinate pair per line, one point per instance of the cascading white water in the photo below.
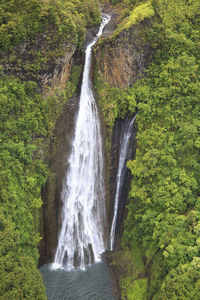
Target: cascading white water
x,y
120,175
81,239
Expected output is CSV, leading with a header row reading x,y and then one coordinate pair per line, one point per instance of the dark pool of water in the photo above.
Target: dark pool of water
x,y
93,284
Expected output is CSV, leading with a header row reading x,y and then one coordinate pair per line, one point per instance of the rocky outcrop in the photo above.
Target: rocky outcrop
x,y
42,61
60,72
122,60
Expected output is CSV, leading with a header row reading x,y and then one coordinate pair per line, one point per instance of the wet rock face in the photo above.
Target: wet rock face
x,y
51,192
118,133
122,60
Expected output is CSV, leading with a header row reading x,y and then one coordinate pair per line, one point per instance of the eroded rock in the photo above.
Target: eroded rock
x,y
122,60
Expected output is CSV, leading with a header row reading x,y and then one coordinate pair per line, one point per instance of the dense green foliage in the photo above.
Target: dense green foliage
x,y
24,124
138,14
33,34
164,211
115,102
22,20
164,196
19,277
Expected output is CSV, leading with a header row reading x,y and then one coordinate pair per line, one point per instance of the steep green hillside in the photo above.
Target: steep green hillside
x,y
26,122
161,232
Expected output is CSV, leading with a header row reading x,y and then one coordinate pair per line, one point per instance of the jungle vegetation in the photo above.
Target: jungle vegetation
x,y
161,239
27,119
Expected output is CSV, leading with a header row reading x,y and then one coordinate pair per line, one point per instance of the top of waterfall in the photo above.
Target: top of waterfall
x,y
105,18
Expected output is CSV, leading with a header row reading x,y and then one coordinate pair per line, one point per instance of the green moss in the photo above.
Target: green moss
x,y
114,102
57,101
129,266
73,80
134,290
138,264
156,273
50,29
150,252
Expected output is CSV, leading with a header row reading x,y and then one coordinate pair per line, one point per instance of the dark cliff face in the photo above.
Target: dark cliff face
x,y
51,192
118,133
42,61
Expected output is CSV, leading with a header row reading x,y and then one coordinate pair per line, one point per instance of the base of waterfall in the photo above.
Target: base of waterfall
x,y
55,266
94,283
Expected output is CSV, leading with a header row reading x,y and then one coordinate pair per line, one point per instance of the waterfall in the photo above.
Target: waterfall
x,y
81,239
124,147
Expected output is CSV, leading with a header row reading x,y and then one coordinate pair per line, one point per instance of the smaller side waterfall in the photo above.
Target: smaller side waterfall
x,y
124,143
